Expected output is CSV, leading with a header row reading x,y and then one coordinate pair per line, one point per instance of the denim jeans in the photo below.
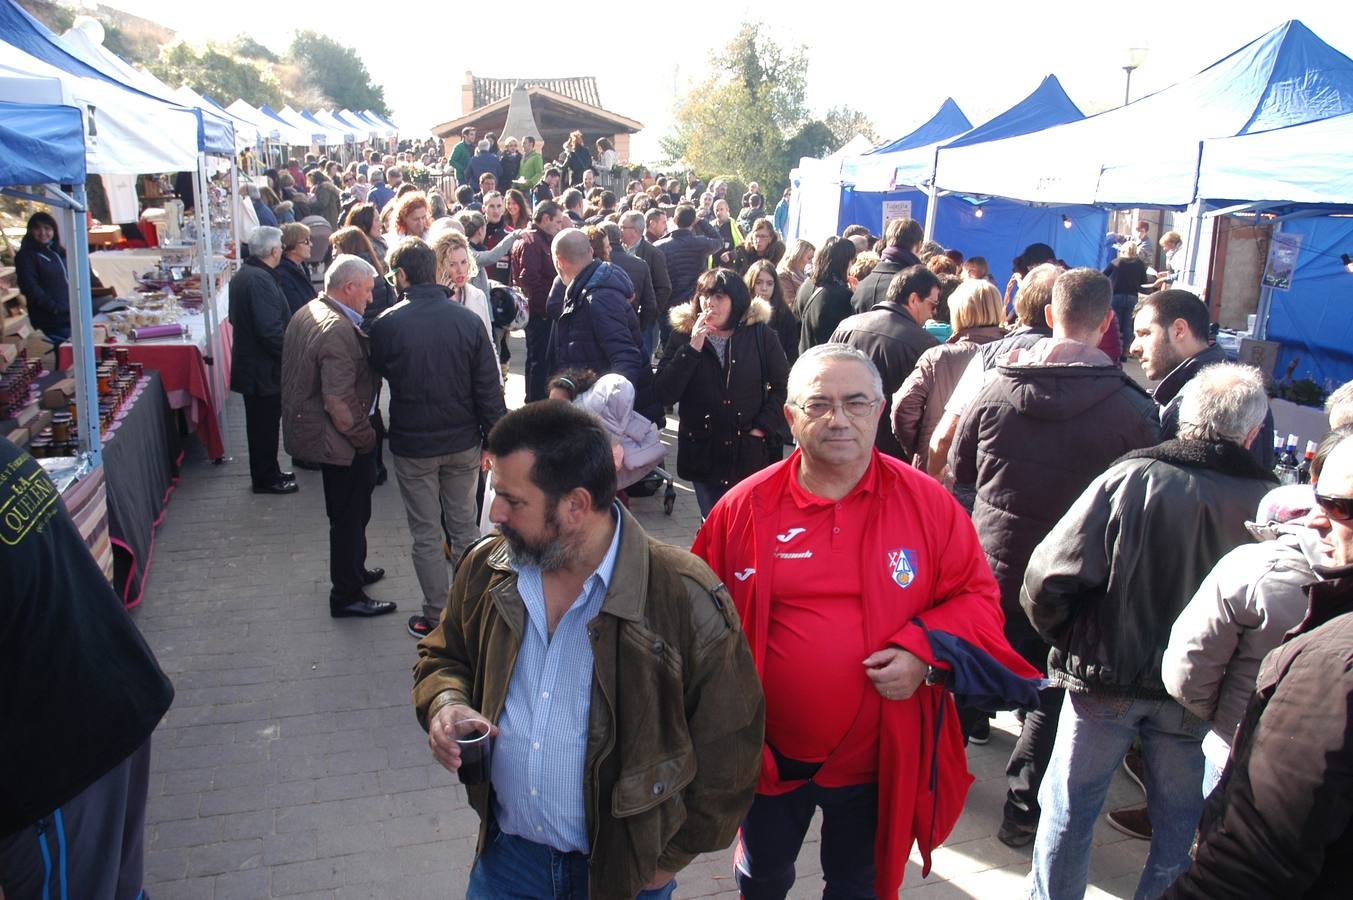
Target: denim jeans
x,y
1123,305
537,348
1095,731
513,868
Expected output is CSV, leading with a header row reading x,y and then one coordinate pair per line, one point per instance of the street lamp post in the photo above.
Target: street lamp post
x,y
1136,56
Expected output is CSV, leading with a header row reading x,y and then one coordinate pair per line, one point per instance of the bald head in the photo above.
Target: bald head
x,y
572,253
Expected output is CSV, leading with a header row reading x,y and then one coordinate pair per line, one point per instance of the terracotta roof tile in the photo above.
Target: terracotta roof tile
x,y
490,90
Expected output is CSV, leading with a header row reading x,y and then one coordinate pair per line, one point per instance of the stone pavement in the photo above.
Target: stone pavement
x,y
291,765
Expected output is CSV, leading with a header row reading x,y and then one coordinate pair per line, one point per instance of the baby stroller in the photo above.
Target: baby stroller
x,y
611,399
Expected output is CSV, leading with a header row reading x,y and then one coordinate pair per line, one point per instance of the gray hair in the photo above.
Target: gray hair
x,y
814,359
251,189
1223,402
484,146
264,240
1339,406
344,270
632,219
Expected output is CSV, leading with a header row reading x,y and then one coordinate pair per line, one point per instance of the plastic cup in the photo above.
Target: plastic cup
x,y
476,750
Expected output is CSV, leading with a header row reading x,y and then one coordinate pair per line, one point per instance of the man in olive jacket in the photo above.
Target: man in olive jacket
x,y
619,779
327,392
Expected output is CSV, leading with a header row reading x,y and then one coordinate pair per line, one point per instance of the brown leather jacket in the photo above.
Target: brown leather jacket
x,y
673,746
327,386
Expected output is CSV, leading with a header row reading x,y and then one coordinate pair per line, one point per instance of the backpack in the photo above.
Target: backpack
x,y
507,306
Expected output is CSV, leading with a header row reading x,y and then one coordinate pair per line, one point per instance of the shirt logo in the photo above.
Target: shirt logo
x,y
902,566
744,574
790,535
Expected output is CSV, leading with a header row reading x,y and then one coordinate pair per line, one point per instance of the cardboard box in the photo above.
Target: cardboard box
x,y
16,325
58,395
19,437
8,353
28,416
38,347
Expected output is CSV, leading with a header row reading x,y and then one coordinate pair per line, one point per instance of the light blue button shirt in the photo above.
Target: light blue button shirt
x,y
541,747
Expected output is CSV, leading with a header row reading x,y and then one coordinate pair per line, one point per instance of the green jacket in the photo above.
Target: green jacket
x,y
460,161
532,169
673,746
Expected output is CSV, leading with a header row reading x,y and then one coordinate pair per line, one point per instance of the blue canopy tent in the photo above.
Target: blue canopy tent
x,y
995,229
1302,174
44,144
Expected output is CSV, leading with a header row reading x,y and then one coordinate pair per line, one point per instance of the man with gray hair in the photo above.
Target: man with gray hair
x,y
849,568
1104,588
634,238
259,314
1339,406
328,394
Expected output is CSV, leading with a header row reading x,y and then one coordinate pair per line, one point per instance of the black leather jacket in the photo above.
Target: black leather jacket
x,y
1105,586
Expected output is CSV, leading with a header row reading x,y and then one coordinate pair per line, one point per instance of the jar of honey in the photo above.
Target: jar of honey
x,y
62,430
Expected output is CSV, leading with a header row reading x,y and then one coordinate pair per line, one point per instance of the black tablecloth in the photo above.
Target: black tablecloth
x,y
140,462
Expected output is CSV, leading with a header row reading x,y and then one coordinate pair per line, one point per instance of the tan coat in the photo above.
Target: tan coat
x,y
327,386
919,402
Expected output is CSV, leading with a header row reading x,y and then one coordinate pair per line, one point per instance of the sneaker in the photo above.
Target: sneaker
x,y
1135,768
420,626
980,732
1131,821
1016,834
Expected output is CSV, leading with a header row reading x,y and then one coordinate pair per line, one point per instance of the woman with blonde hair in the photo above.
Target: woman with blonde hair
x,y
793,270
976,313
455,268
575,158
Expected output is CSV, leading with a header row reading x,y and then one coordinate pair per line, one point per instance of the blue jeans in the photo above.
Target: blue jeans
x,y
513,868
1095,731
1123,305
650,339
1211,777
537,348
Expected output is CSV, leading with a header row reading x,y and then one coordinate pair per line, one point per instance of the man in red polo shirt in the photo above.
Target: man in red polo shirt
x,y
840,560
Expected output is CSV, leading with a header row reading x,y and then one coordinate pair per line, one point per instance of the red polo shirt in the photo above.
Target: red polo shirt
x,y
820,705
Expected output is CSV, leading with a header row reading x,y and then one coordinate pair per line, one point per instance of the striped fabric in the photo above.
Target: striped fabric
x,y
87,502
540,750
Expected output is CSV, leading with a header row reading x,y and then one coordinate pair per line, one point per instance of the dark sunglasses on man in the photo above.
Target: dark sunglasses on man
x,y
1340,509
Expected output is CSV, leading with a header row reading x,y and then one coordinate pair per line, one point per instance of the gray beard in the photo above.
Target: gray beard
x,y
550,557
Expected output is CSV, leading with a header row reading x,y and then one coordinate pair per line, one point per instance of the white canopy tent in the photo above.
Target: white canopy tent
x,y
1301,164
317,132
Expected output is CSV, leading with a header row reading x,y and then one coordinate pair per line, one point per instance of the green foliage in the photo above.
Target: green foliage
x,y
245,46
844,123
211,71
750,116
337,72
56,18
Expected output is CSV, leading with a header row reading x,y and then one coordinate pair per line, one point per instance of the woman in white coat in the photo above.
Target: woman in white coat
x,y
455,268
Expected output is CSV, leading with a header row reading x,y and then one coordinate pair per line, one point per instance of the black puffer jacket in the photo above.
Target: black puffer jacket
x,y
596,328
445,387
894,340
1105,586
41,272
1278,824
259,315
720,404
1032,440
687,256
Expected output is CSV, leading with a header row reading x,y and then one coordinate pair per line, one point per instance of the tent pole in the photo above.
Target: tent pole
x,y
82,324
1196,211
932,202
206,268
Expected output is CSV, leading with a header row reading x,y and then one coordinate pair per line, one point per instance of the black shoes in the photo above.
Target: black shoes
x,y
278,486
371,576
363,607
382,475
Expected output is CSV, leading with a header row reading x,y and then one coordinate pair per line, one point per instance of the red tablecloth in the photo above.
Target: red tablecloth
x,y
187,382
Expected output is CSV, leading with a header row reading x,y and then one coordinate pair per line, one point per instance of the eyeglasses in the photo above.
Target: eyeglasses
x,y
855,409
1340,509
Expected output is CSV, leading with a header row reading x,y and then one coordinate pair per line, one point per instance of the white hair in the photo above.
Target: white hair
x,y
812,361
1223,402
264,240
1339,406
344,270
632,219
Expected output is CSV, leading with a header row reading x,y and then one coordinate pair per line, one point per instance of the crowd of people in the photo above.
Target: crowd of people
x,y
921,502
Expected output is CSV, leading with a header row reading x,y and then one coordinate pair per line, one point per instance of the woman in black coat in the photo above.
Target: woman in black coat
x,y
40,266
724,366
290,273
824,302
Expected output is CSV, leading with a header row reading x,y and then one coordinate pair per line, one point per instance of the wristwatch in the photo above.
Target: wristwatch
x,y
934,675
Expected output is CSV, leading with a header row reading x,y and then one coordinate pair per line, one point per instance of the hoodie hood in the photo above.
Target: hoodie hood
x,y
683,315
1294,535
1057,379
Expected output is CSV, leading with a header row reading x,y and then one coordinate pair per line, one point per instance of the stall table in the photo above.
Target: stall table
x,y
182,363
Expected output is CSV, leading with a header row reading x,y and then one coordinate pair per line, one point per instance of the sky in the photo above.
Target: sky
x,y
897,66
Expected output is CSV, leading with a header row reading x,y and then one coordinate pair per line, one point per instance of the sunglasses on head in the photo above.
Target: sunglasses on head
x,y
1339,509
390,277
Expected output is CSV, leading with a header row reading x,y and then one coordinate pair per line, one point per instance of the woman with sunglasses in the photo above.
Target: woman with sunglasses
x,y
725,367
291,274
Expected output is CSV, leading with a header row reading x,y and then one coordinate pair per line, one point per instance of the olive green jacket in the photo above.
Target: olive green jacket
x,y
673,746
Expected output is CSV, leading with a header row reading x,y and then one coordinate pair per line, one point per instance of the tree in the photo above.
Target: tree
x,y
245,46
749,118
213,72
337,72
